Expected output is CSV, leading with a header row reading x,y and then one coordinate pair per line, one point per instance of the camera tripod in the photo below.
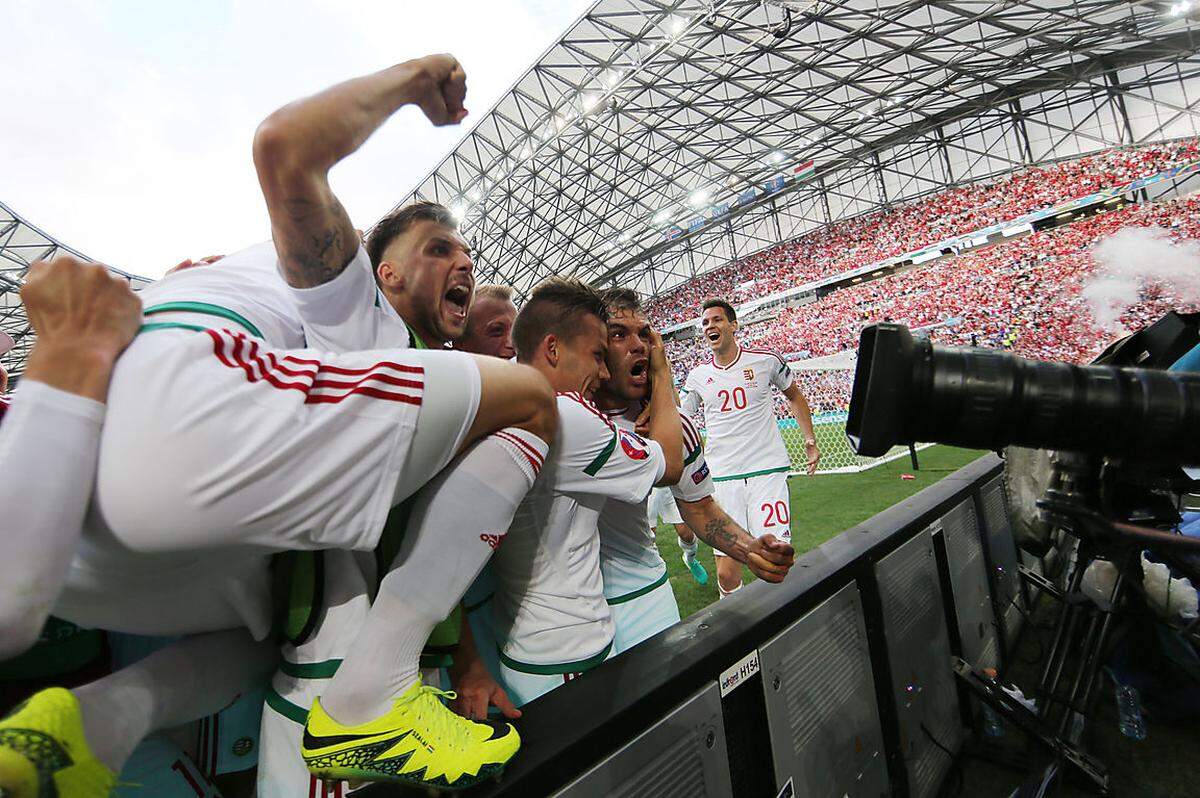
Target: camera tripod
x,y
1066,690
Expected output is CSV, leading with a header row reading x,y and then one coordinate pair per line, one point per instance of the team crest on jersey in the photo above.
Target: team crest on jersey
x,y
748,374
633,446
492,540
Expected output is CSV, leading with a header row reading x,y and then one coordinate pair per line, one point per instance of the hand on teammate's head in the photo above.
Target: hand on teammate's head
x,y
71,302
440,95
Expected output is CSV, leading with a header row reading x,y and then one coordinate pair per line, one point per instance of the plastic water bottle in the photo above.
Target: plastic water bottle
x,y
1129,713
993,726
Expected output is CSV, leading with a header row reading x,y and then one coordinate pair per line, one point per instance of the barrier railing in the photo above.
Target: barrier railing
x,y
837,682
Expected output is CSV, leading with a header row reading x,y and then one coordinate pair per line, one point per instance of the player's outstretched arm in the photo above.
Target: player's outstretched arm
x,y
49,442
767,557
803,415
663,425
295,147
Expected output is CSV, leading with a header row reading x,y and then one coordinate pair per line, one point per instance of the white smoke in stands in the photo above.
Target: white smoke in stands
x,y
1136,257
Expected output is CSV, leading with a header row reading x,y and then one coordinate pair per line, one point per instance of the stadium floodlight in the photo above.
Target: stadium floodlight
x,y
474,194
776,157
699,198
611,78
459,211
526,151
590,100
624,237
663,216
676,24
1180,8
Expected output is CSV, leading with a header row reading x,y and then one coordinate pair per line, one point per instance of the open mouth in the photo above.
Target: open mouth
x,y
638,372
458,298
713,336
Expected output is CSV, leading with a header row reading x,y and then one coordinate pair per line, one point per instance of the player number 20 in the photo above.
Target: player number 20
x,y
738,396
777,514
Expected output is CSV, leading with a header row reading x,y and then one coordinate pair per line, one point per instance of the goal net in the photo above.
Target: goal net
x,y
826,383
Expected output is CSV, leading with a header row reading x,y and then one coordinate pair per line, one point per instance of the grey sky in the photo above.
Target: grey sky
x,y
127,125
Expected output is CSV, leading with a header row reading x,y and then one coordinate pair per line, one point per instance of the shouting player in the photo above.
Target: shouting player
x,y
550,610
225,436
635,576
749,461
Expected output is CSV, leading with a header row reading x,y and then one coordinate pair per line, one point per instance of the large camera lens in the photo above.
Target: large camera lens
x,y
907,390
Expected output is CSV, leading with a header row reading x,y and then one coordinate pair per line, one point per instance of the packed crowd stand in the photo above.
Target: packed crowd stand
x,y
1024,295
874,237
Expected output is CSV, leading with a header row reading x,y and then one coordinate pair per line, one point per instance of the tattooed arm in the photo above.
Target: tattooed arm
x,y
767,557
295,147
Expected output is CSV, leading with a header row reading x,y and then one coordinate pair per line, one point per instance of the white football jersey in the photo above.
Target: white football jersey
x,y
346,314
549,603
629,558
739,413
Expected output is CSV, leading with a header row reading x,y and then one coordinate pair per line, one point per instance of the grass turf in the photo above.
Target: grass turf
x,y
822,506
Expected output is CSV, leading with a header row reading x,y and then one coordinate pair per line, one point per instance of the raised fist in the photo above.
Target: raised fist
x,y
440,89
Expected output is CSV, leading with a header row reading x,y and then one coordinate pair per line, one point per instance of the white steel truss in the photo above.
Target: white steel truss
x,y
648,114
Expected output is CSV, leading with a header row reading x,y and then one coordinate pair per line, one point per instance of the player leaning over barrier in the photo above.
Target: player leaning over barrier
x,y
551,617
635,576
749,462
350,578
225,440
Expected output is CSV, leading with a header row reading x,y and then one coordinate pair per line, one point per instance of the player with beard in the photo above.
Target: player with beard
x,y
749,461
551,616
635,576
351,578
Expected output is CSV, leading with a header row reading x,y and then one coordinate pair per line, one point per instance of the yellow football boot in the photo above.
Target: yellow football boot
x,y
419,743
43,753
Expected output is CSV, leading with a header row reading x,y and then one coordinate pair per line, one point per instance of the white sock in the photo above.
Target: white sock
x,y
200,675
457,521
689,549
723,593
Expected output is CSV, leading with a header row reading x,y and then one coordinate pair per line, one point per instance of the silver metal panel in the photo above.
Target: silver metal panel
x,y
969,585
919,655
820,699
1002,550
681,755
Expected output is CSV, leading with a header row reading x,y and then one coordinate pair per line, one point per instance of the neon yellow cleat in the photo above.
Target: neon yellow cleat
x,y
43,753
420,742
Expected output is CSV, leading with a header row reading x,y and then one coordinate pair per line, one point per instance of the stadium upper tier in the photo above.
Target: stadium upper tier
x,y
1025,295
874,237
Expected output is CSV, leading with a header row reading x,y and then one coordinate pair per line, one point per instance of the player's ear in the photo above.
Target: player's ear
x,y
390,275
550,345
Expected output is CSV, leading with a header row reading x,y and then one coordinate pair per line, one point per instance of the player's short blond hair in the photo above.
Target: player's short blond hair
x,y
504,293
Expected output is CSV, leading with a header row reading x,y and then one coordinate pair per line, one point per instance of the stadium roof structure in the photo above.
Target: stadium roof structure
x,y
660,138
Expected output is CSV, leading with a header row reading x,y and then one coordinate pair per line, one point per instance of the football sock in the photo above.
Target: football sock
x,y
689,549
723,593
458,520
197,676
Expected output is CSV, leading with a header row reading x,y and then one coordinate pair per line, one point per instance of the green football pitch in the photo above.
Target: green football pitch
x,y
822,506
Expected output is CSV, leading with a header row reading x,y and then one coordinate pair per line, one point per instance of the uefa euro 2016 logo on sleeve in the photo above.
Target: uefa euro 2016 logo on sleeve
x,y
633,445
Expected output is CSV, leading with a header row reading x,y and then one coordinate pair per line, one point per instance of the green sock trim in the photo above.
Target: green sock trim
x,y
286,708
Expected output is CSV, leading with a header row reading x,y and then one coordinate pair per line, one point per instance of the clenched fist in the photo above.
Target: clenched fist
x,y
84,316
440,88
